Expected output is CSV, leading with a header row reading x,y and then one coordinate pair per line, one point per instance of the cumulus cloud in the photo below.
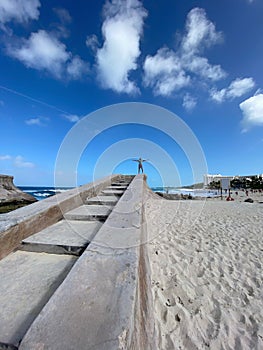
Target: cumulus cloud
x,y
189,102
121,30
218,95
237,88
18,10
252,110
164,72
200,66
43,51
77,68
240,87
19,162
200,32
175,70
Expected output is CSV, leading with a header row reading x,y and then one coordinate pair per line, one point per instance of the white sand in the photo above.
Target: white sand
x,y
207,281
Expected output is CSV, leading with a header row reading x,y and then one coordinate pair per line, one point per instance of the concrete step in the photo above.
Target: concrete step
x,y
89,213
112,192
101,303
64,237
119,188
120,184
27,282
102,200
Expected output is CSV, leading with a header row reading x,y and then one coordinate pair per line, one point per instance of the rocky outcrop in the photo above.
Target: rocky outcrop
x,y
11,195
176,196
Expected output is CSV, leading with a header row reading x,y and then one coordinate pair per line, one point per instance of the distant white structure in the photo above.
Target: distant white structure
x,y
208,178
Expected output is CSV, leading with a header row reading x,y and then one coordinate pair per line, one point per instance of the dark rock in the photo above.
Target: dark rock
x,y
7,347
249,200
171,196
12,197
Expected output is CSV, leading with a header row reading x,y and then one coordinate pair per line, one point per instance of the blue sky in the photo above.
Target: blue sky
x,y
61,61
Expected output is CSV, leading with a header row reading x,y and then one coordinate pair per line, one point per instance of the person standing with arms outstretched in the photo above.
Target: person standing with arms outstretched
x,y
140,161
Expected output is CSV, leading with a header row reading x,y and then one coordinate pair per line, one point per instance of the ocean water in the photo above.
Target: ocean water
x,y
43,192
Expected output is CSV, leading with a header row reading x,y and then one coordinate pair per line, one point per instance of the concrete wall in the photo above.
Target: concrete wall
x,y
105,302
23,222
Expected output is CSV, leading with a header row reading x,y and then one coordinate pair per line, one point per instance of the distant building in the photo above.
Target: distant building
x,y
208,178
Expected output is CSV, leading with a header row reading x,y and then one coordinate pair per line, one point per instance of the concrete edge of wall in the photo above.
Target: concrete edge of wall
x,y
23,222
105,302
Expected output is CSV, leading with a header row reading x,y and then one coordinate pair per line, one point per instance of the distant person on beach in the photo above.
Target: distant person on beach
x,y
140,161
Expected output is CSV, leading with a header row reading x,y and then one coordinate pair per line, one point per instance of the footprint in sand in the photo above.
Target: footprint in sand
x,y
200,273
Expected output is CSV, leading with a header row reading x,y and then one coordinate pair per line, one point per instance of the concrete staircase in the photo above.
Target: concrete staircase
x,y
31,274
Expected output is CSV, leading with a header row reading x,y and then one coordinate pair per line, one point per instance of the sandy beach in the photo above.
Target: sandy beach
x,y
206,271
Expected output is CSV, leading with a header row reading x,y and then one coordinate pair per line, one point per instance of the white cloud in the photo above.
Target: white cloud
x,y
65,19
40,121
252,110
237,88
19,162
201,66
169,71
200,32
5,157
92,42
19,10
33,121
73,118
240,87
43,51
121,29
164,72
77,68
218,95
189,102
63,15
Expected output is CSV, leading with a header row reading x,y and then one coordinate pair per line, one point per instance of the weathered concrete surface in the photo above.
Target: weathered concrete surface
x,y
64,237
89,212
23,222
120,184
111,306
103,200
27,282
9,193
115,192
120,187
